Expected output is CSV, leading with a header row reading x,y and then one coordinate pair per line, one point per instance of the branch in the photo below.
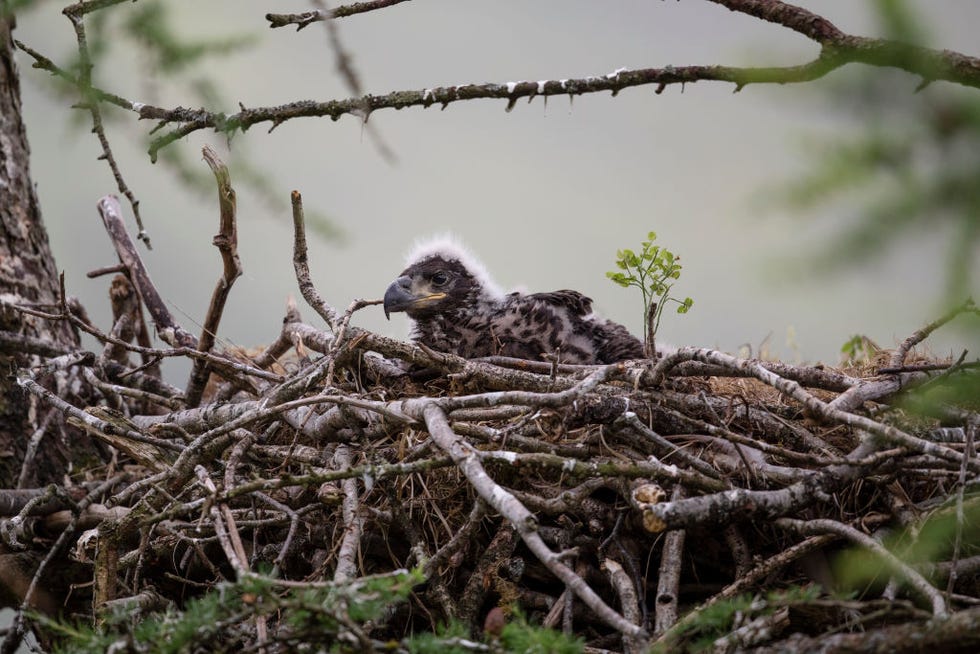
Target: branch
x,y
669,578
897,359
353,522
167,328
345,66
741,504
916,580
796,18
90,100
959,632
823,410
838,49
467,459
79,9
301,265
226,240
16,631
309,17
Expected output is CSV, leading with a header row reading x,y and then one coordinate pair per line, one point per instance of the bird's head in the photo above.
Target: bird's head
x,y
441,276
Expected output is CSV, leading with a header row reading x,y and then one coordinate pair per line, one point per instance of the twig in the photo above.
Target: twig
x,y
287,543
668,450
226,241
669,579
968,454
458,540
628,600
722,508
898,356
650,343
821,409
748,580
353,523
302,267
795,18
345,66
32,444
338,342
957,632
16,630
463,455
91,101
168,328
118,433
916,580
309,17
79,9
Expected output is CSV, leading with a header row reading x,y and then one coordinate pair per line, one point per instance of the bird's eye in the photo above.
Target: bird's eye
x,y
440,279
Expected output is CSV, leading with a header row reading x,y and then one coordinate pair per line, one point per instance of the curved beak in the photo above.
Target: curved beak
x,y
398,296
403,295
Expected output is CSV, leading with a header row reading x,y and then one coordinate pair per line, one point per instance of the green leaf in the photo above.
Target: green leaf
x,y
650,271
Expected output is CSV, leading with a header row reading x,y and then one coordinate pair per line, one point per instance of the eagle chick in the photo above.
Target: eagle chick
x,y
457,308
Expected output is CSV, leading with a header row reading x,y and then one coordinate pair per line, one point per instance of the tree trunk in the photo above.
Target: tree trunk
x,y
28,276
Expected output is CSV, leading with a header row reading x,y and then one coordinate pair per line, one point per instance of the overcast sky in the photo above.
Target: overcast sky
x,y
544,194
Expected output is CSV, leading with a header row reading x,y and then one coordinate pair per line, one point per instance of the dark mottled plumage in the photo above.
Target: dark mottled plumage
x,y
458,309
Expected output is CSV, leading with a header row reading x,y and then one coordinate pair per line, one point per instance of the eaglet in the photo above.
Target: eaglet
x,y
457,308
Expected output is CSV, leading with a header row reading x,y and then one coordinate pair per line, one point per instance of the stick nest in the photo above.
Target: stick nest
x,y
343,489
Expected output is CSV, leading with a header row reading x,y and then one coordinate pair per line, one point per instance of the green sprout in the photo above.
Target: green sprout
x,y
858,349
653,271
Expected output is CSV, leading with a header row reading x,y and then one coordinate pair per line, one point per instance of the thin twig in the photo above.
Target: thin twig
x,y
91,101
301,266
898,356
309,17
226,241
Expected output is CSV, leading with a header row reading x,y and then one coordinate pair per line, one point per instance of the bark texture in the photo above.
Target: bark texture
x,y
28,276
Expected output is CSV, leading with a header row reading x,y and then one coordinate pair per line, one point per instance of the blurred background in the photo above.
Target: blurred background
x,y
737,184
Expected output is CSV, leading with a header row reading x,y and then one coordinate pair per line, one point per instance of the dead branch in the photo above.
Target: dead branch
x,y
306,18
167,328
226,241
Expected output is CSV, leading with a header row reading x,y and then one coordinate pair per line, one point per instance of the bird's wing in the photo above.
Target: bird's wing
x,y
575,302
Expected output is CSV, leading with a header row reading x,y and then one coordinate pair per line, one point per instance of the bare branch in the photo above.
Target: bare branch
x,y
90,100
464,455
226,240
916,580
302,267
795,18
309,17
167,328
898,356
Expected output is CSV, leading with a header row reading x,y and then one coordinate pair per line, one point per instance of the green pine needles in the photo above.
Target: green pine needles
x,y
319,617
653,270
323,617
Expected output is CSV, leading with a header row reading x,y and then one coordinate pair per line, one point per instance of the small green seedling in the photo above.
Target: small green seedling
x,y
653,271
859,349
